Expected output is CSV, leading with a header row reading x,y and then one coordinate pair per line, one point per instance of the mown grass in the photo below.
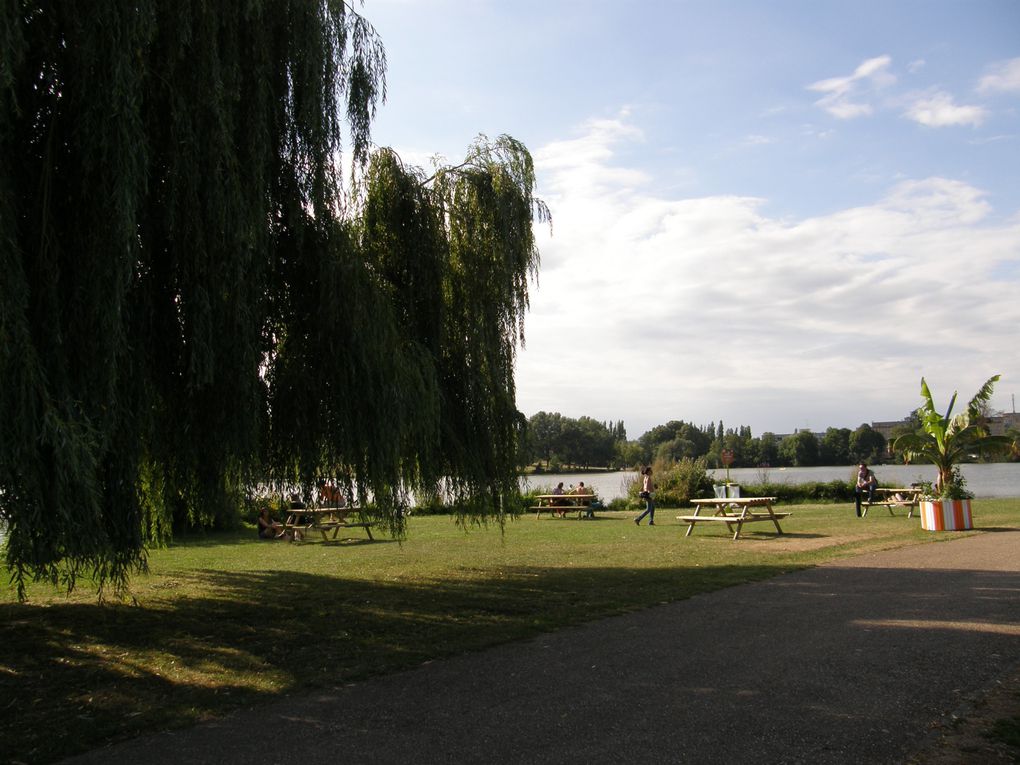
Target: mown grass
x,y
225,620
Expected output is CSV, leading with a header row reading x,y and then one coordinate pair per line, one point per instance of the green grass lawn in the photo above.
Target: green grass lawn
x,y
226,620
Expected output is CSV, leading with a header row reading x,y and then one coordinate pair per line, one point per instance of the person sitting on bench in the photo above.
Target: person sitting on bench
x,y
866,484
331,496
586,501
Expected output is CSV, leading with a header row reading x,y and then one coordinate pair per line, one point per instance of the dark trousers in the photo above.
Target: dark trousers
x,y
869,490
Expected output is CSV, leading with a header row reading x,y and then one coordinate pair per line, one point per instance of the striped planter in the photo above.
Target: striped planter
x,y
946,515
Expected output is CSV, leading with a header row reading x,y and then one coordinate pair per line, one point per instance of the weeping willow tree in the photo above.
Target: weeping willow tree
x,y
190,304
453,254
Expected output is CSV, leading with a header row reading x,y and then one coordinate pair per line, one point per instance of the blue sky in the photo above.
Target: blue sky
x,y
776,214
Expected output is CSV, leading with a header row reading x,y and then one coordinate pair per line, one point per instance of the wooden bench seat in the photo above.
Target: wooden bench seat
x,y
733,518
700,518
889,505
579,509
734,512
325,526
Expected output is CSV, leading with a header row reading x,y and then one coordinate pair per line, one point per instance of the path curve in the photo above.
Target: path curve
x,y
853,661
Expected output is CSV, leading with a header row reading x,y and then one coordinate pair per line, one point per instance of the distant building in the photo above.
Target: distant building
x,y
886,428
1002,422
997,424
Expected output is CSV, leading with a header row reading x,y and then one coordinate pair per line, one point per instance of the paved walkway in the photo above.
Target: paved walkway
x,y
849,662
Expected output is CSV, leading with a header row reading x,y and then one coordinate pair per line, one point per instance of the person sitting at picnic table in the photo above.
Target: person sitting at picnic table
x,y
558,491
866,484
581,491
587,501
331,496
269,528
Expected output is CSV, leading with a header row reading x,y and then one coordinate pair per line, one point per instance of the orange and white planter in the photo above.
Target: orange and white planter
x,y
946,515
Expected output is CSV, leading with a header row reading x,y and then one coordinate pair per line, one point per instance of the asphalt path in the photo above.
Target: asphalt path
x,y
857,661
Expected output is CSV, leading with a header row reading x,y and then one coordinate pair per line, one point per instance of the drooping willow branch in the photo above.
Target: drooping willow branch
x,y
188,308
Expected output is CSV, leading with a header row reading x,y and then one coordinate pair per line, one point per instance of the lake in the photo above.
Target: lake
x,y
997,479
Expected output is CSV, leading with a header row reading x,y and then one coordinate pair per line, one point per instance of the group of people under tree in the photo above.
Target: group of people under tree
x,y
328,497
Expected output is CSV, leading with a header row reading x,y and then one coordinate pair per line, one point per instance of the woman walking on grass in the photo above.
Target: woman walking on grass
x,y
646,494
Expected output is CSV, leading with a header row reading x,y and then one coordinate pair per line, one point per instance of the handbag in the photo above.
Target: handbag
x,y
644,495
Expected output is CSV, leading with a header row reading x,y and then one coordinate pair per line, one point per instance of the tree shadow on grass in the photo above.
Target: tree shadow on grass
x,y
995,528
840,649
78,675
352,541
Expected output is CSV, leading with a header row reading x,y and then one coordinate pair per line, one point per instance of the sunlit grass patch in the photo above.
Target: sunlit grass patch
x,y
225,620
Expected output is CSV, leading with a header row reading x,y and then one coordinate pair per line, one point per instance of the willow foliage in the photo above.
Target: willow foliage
x,y
454,253
188,304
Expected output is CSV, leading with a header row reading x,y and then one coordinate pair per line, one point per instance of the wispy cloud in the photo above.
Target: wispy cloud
x,y
938,109
1003,77
756,140
843,96
679,306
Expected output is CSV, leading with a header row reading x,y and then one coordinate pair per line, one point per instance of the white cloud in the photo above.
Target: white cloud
x,y
653,308
937,109
1003,77
842,95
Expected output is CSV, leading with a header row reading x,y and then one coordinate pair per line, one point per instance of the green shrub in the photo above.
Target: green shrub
x,y
818,491
676,483
802,492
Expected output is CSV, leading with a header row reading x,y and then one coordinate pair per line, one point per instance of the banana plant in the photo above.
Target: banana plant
x,y
945,439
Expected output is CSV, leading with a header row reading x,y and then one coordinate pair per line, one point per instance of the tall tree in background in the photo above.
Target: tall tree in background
x,y
189,303
866,444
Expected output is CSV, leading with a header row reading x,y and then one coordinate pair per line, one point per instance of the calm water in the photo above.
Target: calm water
x,y
1000,479
607,485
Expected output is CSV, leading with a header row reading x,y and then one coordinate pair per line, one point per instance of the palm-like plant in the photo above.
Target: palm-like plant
x,y
944,440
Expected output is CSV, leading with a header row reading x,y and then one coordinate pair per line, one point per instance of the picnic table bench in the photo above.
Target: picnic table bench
x,y
564,503
734,512
302,520
888,500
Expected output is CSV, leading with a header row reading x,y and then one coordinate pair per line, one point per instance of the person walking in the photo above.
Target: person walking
x,y
647,487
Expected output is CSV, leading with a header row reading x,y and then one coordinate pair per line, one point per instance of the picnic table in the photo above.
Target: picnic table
x,y
561,503
887,498
734,512
301,520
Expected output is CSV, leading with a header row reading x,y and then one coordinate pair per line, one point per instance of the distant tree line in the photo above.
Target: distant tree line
x,y
837,446
556,441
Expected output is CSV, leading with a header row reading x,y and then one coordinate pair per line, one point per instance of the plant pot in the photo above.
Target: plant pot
x,y
724,490
946,515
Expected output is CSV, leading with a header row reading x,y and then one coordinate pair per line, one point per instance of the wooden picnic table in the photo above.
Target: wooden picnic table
x,y
301,520
734,512
561,503
910,499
